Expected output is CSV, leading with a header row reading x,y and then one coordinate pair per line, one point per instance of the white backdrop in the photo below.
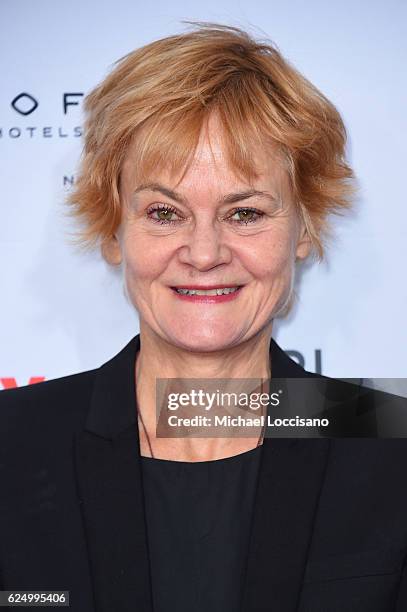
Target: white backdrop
x,y
62,312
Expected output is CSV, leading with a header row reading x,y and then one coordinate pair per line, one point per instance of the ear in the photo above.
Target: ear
x,y
304,244
111,251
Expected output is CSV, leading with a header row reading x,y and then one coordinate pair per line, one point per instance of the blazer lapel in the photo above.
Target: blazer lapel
x,y
110,490
109,479
289,484
290,479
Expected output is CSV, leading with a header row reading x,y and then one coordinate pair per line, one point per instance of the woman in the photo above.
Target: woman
x,y
210,169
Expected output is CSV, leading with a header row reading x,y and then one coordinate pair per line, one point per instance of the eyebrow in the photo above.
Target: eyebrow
x,y
227,199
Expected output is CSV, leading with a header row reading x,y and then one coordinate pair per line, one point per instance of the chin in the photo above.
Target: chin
x,y
204,340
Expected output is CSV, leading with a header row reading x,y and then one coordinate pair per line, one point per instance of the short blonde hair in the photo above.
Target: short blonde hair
x,y
170,86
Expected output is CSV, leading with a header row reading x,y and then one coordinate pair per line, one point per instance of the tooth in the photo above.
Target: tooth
x,y
220,291
208,292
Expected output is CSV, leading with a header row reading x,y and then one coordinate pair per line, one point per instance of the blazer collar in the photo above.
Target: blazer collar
x,y
110,491
113,404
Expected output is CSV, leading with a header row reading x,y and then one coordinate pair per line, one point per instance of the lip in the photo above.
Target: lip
x,y
203,287
207,299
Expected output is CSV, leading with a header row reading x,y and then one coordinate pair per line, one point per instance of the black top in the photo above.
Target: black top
x,y
329,528
198,526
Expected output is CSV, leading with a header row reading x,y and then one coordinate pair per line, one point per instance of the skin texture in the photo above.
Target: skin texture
x,y
206,245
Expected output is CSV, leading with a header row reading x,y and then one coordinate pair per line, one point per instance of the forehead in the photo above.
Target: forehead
x,y
210,165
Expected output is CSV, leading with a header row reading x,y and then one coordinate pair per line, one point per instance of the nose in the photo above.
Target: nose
x,y
204,246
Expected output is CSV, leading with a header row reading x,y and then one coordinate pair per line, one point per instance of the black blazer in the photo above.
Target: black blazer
x,y
329,532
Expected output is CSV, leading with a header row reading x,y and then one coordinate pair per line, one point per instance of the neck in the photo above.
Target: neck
x,y
249,359
158,358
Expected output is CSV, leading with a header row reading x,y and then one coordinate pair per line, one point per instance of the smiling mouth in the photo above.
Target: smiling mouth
x,y
213,292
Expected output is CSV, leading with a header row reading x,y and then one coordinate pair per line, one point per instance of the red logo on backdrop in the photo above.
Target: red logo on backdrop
x,y
11,383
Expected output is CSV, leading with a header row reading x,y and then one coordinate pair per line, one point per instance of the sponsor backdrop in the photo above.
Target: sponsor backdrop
x,y
63,312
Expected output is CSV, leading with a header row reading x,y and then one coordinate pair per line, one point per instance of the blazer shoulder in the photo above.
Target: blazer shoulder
x,y
38,406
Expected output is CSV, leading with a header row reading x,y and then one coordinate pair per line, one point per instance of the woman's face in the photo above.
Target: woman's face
x,y
190,234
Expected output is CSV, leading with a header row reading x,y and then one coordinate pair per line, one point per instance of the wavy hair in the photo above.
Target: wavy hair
x,y
157,98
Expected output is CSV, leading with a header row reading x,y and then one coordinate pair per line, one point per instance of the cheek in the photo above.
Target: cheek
x,y
144,258
270,256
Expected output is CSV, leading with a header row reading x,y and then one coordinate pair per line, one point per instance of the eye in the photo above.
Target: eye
x,y
246,216
162,214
